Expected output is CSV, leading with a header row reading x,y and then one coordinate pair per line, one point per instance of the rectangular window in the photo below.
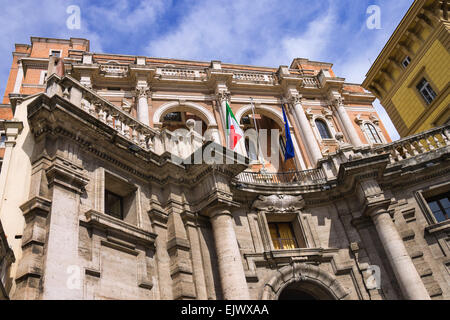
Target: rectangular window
x,y
406,62
440,206
282,236
55,53
2,140
173,116
426,91
113,205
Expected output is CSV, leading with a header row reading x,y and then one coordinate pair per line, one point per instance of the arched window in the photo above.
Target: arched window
x,y
372,133
323,129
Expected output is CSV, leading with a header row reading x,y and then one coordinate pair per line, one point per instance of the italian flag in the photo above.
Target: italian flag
x,y
234,131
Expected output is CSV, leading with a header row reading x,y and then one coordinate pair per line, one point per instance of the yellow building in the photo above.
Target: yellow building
x,y
411,75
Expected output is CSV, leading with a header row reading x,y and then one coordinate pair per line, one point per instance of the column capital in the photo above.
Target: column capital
x,y
378,208
295,99
336,101
223,96
143,92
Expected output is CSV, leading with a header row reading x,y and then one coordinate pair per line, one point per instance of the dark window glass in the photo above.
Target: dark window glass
x,y
56,53
406,61
173,116
426,91
113,205
323,129
245,120
2,140
372,133
440,207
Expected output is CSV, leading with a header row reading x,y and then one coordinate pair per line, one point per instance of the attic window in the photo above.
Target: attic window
x,y
406,62
55,53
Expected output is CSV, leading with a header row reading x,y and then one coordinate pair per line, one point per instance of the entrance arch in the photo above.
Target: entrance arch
x,y
301,281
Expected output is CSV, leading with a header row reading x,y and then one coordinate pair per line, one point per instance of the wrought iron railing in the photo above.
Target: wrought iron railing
x,y
307,177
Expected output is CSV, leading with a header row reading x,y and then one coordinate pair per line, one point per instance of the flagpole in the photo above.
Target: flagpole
x,y
257,136
284,104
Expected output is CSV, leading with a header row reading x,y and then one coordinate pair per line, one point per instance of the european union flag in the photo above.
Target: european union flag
x,y
289,153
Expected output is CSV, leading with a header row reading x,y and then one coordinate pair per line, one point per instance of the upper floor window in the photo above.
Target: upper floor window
x,y
282,236
440,206
372,133
55,53
406,62
2,140
426,91
113,204
323,129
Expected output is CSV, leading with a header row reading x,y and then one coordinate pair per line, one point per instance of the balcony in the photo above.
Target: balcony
x,y
295,178
418,144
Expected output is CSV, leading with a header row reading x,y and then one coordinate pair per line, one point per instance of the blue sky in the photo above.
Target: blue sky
x,y
258,32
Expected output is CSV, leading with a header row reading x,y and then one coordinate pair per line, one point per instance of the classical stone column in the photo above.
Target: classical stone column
x,y
405,272
346,122
305,128
142,107
231,270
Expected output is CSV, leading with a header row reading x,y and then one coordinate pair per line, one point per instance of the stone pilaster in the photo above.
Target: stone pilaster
x,y
179,249
192,230
62,278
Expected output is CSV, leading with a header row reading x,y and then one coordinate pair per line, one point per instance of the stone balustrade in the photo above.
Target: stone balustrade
x,y
412,146
310,82
181,144
181,73
93,104
113,70
306,177
253,77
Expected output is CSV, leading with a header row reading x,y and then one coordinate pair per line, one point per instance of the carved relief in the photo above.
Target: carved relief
x,y
279,203
223,96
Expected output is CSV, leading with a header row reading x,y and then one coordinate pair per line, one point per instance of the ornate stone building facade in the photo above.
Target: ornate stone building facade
x,y
95,205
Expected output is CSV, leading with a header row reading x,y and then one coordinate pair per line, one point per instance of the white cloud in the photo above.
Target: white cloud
x,y
311,44
22,19
125,16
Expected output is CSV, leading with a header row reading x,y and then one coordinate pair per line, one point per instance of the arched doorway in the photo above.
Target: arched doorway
x,y
299,281
304,290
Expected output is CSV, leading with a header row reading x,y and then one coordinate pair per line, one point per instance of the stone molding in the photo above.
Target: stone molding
x,y
296,272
